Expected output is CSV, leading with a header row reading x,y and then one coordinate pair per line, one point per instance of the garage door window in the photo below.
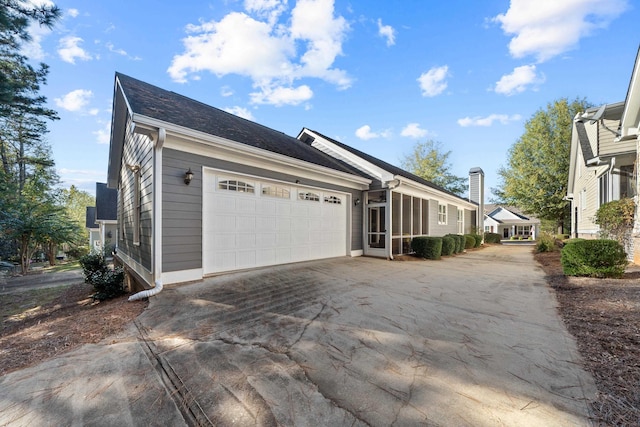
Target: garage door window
x,y
309,196
234,185
333,200
276,191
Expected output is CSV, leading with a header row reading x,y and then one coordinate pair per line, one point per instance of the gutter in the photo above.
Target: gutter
x,y
157,219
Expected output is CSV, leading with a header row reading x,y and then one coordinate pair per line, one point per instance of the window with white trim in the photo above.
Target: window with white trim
x,y
442,214
333,200
235,185
276,191
313,197
460,221
603,184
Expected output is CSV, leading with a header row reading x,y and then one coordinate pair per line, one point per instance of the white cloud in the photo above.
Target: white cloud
x,y
488,121
282,95
364,132
240,112
274,52
518,81
549,28
413,130
226,91
69,50
119,51
433,82
103,135
84,179
73,13
387,32
75,100
33,48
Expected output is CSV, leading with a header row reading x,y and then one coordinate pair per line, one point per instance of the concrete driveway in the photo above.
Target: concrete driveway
x,y
470,340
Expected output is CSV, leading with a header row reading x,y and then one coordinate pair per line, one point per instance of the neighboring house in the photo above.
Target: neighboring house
x,y
202,191
107,214
509,222
630,134
95,244
601,167
102,218
604,161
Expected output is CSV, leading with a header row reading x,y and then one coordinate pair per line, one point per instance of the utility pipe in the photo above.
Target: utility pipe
x,y
157,219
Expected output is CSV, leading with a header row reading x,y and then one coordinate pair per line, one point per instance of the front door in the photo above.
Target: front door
x,y
376,230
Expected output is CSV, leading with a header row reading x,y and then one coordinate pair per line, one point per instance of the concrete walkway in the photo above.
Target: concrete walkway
x,y
473,340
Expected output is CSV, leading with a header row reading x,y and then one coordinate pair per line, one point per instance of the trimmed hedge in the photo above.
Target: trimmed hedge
x,y
459,240
427,247
448,245
593,258
470,241
478,238
492,237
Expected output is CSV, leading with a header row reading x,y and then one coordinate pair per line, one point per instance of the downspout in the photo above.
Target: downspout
x,y
157,219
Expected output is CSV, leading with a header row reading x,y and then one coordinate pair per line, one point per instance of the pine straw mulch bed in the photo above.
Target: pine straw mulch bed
x,y
604,317
41,325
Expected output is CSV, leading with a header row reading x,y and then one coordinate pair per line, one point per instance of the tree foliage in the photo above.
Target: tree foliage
x,y
429,162
536,175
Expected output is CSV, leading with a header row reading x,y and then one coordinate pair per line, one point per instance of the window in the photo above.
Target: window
x,y
335,200
603,184
442,214
627,182
523,230
460,221
583,199
309,196
276,191
234,185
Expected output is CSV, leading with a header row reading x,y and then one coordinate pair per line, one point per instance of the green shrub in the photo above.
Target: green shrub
x,y
427,247
593,258
492,237
458,243
77,252
108,283
478,240
448,245
470,241
546,243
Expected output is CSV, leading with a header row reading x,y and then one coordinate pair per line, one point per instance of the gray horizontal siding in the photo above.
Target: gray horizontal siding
x,y
182,206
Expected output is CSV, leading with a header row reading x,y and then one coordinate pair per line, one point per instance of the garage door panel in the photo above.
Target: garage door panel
x,y
245,230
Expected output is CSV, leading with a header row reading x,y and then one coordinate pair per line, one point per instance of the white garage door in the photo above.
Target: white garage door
x,y
252,223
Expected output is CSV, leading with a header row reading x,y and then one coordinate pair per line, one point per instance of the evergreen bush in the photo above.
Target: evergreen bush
x,y
478,240
448,245
107,283
593,258
492,237
470,241
427,247
459,242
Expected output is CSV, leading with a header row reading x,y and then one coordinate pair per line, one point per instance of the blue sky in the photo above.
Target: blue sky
x,y
377,75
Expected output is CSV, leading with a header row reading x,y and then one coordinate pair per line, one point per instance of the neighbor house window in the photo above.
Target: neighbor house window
x,y
234,185
276,191
460,221
603,184
442,214
309,196
333,200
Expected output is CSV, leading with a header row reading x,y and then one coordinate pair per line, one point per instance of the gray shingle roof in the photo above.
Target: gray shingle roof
x,y
90,221
151,101
389,167
106,203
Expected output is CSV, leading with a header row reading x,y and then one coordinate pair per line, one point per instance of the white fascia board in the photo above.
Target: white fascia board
x,y
347,156
214,146
433,193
